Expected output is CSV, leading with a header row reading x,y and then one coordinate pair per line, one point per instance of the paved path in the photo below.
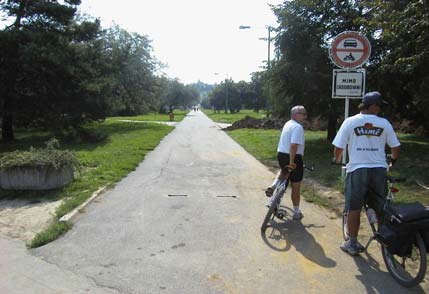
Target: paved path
x,y
188,221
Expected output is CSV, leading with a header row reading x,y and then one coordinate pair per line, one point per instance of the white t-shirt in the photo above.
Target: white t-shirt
x,y
366,136
292,133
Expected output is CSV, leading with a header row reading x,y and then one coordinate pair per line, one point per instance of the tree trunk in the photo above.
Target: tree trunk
x,y
7,129
332,125
7,116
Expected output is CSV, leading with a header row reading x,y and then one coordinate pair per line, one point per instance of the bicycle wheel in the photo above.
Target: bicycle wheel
x,y
273,207
410,270
345,228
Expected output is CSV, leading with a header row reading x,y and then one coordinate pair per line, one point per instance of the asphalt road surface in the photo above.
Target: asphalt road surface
x,y
188,221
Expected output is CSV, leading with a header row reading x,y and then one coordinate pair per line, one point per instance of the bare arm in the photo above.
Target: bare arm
x,y
338,153
395,152
292,152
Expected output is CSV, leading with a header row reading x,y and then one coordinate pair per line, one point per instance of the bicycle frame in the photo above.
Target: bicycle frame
x,y
274,209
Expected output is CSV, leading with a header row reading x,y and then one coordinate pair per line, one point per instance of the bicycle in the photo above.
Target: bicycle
x,y
408,268
274,209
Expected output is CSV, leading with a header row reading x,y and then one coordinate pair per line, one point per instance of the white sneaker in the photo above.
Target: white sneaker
x,y
297,216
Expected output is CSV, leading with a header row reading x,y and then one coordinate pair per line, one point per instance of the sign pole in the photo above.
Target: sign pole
x,y
346,115
349,50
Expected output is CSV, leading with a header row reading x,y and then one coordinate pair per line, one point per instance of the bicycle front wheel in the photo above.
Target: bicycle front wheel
x,y
277,195
409,270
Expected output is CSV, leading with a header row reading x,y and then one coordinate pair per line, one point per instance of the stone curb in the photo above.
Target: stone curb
x,y
71,215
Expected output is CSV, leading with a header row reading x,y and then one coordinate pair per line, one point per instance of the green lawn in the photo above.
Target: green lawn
x,y
413,163
104,164
230,118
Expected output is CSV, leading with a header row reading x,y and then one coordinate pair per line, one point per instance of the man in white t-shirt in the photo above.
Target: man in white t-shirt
x,y
366,136
290,151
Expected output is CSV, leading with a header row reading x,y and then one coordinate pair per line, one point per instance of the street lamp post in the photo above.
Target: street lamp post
x,y
269,28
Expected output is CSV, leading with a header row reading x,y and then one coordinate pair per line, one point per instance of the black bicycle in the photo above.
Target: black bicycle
x,y
404,256
275,209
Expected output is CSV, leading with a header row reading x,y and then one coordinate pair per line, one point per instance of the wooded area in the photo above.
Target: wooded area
x,y
59,70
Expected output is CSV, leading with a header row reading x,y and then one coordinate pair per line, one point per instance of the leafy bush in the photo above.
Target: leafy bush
x,y
49,156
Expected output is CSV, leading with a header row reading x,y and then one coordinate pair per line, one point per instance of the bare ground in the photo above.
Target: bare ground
x,y
23,219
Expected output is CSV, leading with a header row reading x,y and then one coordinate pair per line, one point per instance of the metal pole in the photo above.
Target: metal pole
x,y
226,100
269,46
346,115
267,106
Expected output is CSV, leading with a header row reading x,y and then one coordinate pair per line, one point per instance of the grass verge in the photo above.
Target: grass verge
x,y
50,234
104,164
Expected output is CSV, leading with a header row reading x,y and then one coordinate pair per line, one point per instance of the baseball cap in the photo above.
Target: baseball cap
x,y
373,98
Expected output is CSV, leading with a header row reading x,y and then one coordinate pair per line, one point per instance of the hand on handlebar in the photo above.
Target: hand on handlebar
x,y
335,162
291,166
392,161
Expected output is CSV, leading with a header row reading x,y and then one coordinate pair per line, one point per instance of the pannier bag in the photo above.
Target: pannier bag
x,y
401,222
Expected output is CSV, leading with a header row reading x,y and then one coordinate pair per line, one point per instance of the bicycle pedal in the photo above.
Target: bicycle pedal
x,y
281,214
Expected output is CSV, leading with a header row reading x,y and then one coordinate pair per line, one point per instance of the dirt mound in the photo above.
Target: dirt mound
x,y
254,123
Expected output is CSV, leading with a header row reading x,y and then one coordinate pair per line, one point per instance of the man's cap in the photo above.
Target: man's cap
x,y
373,98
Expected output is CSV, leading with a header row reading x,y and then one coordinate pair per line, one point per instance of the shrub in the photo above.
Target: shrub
x,y
49,156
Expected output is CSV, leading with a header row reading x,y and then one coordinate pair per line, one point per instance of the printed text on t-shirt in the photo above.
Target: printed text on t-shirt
x,y
368,130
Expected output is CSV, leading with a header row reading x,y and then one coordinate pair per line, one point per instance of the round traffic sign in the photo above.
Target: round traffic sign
x,y
350,50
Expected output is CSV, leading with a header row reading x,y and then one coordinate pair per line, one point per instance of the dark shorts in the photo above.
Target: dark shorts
x,y
297,174
366,185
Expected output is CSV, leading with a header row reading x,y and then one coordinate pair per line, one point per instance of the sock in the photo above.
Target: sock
x,y
296,209
353,240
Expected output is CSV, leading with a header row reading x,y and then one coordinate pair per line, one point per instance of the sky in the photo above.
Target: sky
x,y
196,39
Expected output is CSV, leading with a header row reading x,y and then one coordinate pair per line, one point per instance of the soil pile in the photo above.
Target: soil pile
x,y
316,124
253,123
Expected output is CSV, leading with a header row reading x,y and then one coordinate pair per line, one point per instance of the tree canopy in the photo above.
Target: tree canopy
x,y
59,70
398,32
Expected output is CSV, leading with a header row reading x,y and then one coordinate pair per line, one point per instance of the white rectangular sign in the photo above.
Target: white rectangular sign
x,y
348,84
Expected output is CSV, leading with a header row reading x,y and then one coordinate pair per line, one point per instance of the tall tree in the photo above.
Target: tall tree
x,y
132,70
302,75
43,57
400,60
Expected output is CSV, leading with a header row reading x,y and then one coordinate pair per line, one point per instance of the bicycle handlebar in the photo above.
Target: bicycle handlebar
x,y
333,162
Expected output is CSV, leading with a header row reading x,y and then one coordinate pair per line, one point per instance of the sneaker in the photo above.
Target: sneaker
x,y
269,191
360,247
297,216
350,248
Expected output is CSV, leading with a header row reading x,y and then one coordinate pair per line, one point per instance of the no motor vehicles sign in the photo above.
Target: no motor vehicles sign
x,y
350,50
